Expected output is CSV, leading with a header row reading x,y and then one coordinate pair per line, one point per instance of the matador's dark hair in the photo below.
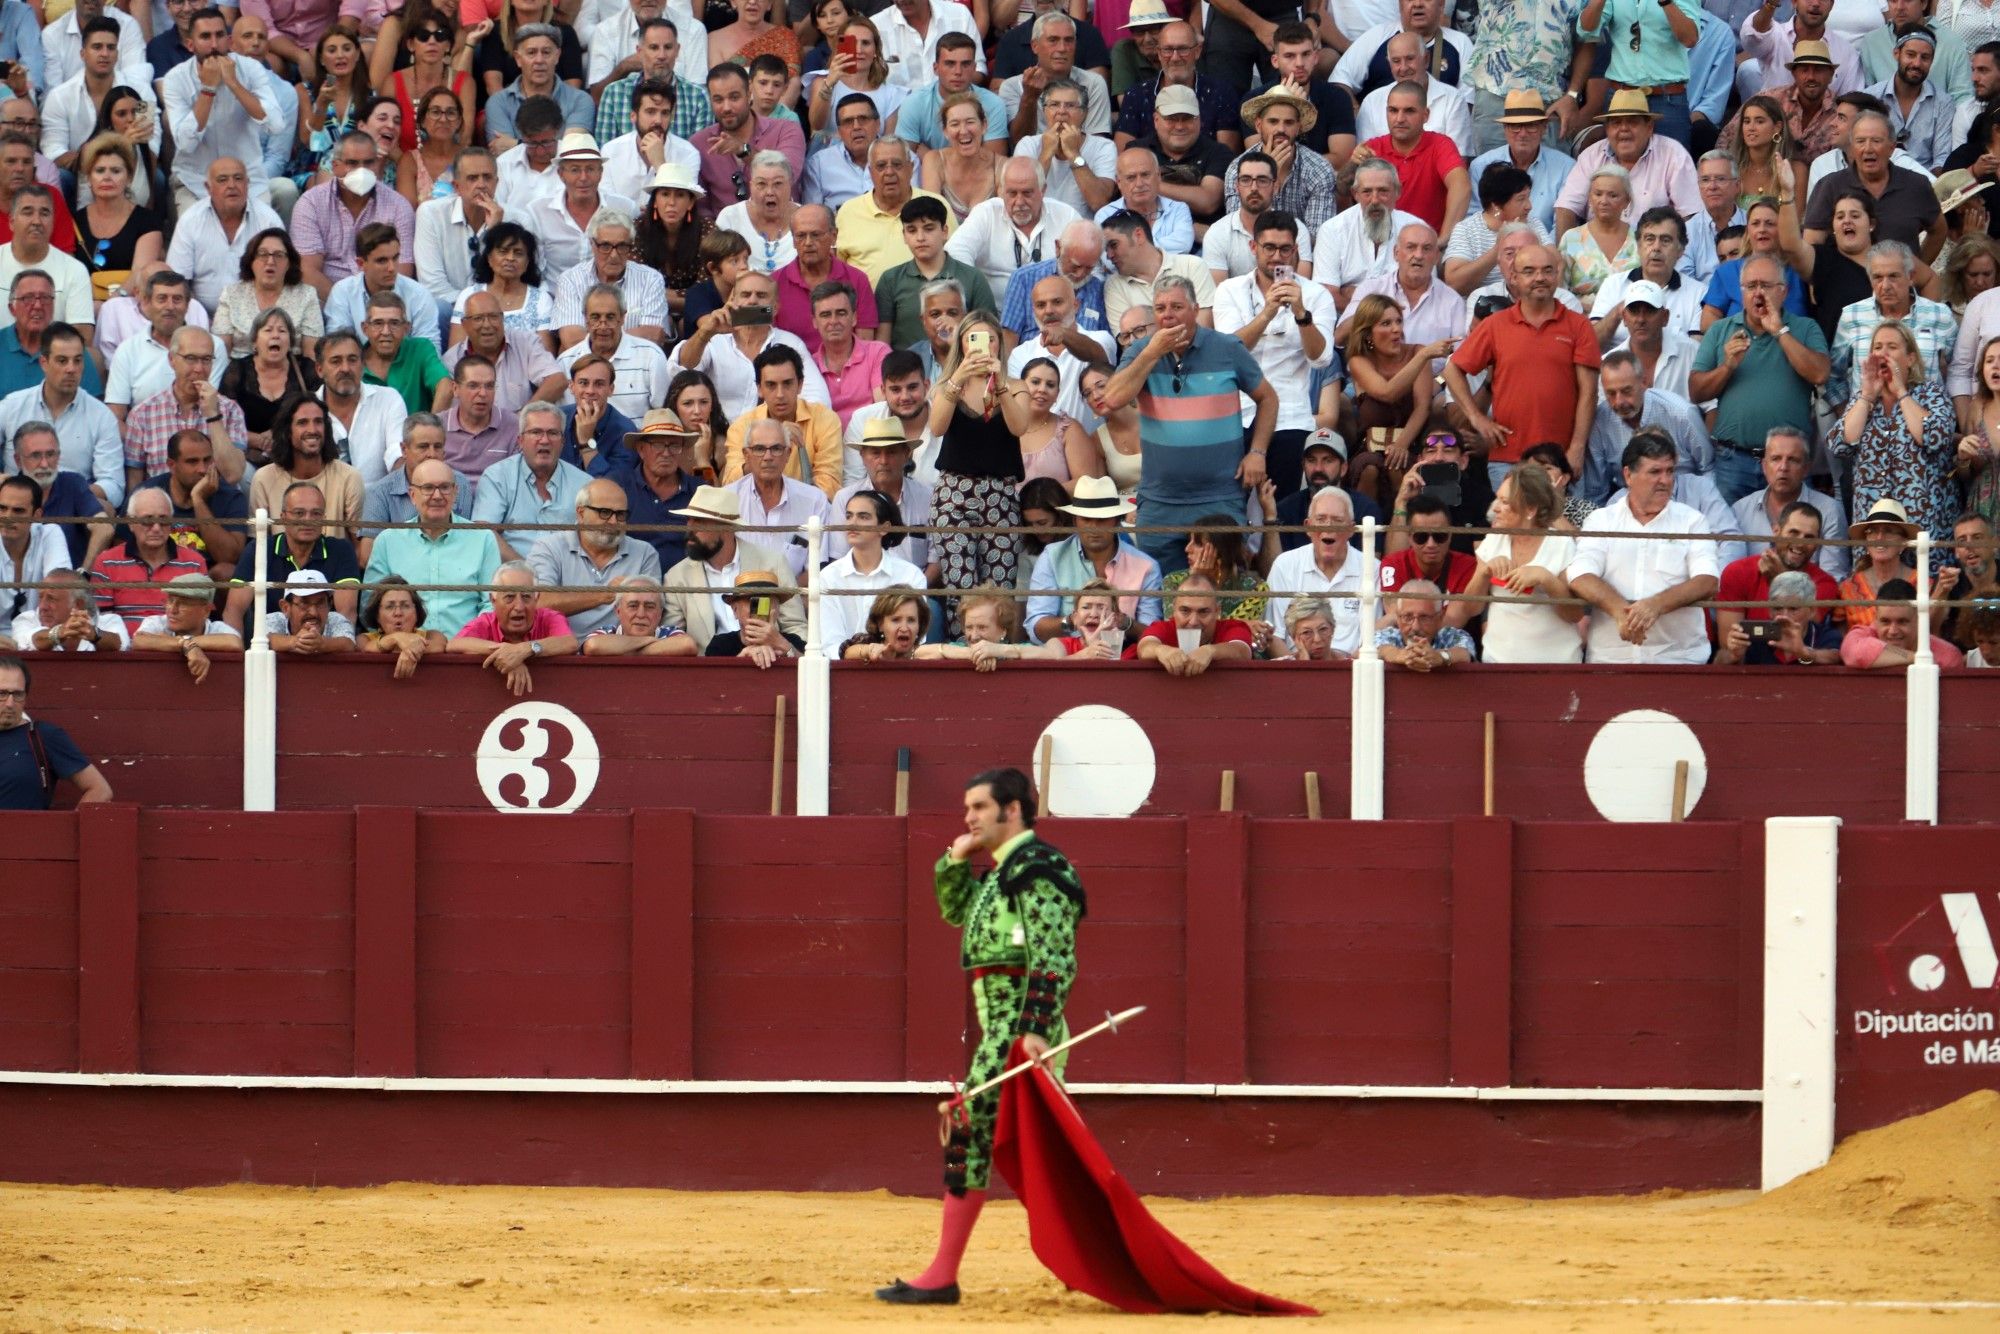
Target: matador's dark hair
x,y
1008,786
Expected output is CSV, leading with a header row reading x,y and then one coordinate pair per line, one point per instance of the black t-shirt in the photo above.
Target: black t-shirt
x,y
1837,283
1204,158
21,787
730,644
228,502
1015,54
332,557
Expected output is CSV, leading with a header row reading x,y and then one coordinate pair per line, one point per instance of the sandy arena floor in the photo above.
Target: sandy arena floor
x,y
1903,1226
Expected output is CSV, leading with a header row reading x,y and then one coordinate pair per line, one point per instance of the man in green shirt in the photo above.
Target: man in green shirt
x,y
898,300
1761,366
410,366
1020,923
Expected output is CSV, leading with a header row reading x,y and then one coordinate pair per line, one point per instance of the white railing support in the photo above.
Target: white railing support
x,y
1368,714
1801,893
260,685
815,692
1920,706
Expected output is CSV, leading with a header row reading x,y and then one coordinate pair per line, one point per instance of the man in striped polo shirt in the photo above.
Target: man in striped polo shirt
x,y
1188,380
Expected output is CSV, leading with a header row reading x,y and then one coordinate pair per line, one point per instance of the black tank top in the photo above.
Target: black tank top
x,y
976,447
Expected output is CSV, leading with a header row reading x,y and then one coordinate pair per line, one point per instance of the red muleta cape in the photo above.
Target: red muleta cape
x,y
1089,1226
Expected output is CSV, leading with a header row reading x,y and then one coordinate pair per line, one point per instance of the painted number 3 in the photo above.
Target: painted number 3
x,y
537,757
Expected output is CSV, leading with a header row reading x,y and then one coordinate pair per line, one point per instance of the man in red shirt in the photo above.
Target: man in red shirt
x,y
517,630
1544,361
1436,185
1213,637
132,577
1794,546
1420,548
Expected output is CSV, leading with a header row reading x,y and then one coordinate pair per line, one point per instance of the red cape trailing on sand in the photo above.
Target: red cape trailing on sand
x,y
1088,1225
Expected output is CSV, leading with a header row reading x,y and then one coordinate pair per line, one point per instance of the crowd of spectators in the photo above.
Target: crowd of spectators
x,y
544,327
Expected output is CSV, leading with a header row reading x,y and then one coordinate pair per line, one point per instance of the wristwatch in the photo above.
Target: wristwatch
x,y
534,648
1304,321
187,644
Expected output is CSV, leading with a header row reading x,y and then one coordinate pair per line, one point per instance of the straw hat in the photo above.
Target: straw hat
x,y
713,502
1308,115
1523,107
660,424
1149,14
675,176
1885,513
1811,53
1955,187
755,584
578,146
1097,498
885,432
1629,102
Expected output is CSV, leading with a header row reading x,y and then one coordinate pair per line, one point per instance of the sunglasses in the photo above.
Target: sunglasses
x,y
1429,539
439,35
1635,34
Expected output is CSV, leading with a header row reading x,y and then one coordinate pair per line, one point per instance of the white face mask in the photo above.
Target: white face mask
x,y
360,181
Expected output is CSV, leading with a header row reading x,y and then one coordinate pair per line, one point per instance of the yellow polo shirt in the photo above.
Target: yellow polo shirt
x,y
872,240
824,447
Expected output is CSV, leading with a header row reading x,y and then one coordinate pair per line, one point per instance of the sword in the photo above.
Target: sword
x,y
954,1107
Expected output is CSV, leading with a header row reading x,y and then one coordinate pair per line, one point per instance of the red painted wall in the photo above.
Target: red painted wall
x,y
1892,914
698,734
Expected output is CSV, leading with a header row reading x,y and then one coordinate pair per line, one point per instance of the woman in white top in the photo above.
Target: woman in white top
x,y
866,565
764,216
1118,436
1527,565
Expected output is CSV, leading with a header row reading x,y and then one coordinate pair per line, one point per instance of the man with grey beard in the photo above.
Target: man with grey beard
x,y
1358,243
65,494
598,553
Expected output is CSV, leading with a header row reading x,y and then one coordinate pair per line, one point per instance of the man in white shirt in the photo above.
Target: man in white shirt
x,y
214,111
767,497
610,28
725,352
1229,249
209,239
1081,168
139,368
1054,44
29,551
1359,242
69,116
910,30
640,371
33,218
1644,593
1138,263
1287,323
448,229
62,44
1325,567
1426,20
364,422
1665,357
610,264
559,220
528,169
1448,111
1432,311
1662,240
1020,227
631,159
1069,347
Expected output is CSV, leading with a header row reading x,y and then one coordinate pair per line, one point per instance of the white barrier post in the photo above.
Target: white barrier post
x,y
1920,706
260,685
1801,884
815,689
1368,716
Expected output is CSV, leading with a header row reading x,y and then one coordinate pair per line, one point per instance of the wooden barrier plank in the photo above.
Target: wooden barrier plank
x,y
107,922
936,1002
385,941
663,952
174,1047
31,836
1482,951
1216,896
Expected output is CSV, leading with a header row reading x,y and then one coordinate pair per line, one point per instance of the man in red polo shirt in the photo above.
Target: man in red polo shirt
x,y
1436,185
1420,548
132,576
1544,361
1198,616
1794,546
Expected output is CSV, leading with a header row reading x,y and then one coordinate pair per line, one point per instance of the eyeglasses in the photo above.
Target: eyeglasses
x,y
196,358
271,254
1177,50
101,253
742,190
609,248
433,488
149,523
1135,334
13,694
763,449
1430,539
33,298
604,514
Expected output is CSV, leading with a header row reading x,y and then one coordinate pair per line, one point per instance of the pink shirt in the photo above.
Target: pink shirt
x,y
486,625
853,385
795,314
304,21
1863,646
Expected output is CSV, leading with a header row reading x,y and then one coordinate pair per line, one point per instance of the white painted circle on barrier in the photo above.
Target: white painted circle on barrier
x,y
538,758
1629,769
1927,972
1100,762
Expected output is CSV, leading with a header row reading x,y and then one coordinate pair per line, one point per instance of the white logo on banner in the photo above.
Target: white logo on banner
x,y
537,757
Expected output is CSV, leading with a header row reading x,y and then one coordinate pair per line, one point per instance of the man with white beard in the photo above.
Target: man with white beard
x,y
1358,243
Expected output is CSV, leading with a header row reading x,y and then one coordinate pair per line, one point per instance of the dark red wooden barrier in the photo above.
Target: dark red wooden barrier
x,y
697,734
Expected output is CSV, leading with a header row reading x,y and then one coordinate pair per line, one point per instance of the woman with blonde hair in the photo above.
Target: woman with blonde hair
x,y
1604,243
966,171
1974,462
978,413
1527,564
1972,267
113,235
860,70
1392,395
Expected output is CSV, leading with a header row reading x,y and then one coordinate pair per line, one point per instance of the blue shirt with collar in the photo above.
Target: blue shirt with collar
x,y
1017,311
647,509
1173,230
387,500
21,42
579,112
609,441
507,496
